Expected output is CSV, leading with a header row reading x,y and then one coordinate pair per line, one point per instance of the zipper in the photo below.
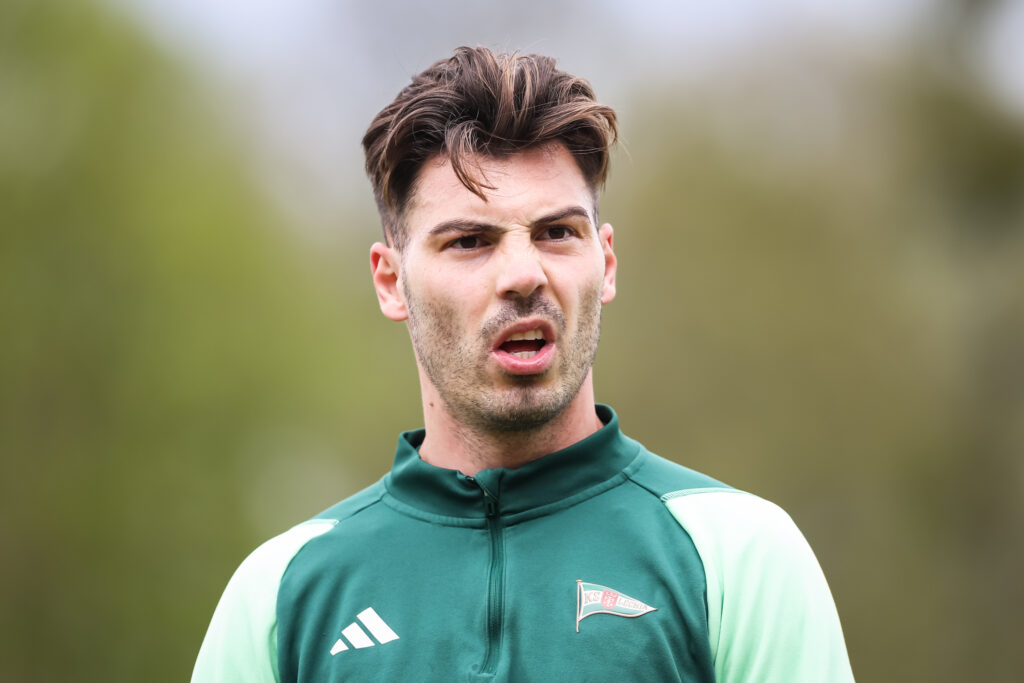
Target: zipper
x,y
496,584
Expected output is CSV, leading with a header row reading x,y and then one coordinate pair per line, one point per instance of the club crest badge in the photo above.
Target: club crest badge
x,y
592,598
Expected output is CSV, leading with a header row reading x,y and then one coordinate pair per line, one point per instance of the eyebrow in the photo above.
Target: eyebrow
x,y
466,226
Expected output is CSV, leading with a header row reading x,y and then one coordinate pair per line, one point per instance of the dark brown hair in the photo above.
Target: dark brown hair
x,y
481,103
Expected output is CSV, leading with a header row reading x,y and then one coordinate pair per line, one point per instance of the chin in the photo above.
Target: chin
x,y
524,411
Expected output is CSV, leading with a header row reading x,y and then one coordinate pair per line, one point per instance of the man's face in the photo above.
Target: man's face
x,y
503,298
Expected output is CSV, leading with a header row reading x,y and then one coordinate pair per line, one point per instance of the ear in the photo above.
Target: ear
x,y
610,263
385,267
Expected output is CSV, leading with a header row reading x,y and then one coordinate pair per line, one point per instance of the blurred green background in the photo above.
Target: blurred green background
x,y
821,301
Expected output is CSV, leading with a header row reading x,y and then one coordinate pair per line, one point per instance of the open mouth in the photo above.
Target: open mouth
x,y
524,345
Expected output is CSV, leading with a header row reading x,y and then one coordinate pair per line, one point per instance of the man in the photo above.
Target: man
x,y
520,536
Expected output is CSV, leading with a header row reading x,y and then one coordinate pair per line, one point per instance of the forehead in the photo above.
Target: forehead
x,y
526,185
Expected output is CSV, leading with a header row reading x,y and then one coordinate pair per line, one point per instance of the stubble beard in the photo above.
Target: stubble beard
x,y
456,365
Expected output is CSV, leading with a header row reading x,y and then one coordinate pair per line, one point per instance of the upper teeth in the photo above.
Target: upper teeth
x,y
532,334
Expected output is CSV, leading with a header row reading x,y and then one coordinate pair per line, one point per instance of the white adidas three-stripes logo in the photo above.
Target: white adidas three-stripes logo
x,y
357,636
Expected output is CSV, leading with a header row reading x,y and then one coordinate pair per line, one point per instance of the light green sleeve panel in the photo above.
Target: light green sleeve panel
x,y
241,642
771,616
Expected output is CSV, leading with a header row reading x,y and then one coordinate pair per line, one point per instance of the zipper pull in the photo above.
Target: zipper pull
x,y
490,505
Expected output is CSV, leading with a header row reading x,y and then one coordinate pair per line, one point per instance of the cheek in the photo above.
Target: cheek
x,y
590,299
589,283
439,313
430,282
588,303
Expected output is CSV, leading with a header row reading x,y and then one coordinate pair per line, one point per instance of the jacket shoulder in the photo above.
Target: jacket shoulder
x,y
771,616
241,642
354,504
663,477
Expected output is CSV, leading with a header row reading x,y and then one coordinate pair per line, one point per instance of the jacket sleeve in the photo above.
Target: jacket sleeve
x,y
241,641
771,617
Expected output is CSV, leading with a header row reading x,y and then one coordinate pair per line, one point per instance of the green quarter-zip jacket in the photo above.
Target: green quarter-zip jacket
x,y
600,562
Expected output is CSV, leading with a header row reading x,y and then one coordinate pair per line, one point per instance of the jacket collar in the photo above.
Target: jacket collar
x,y
573,472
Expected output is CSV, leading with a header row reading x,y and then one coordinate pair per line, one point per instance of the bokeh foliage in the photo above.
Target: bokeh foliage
x,y
832,320
171,356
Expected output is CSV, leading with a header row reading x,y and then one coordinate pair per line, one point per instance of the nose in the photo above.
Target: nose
x,y
520,270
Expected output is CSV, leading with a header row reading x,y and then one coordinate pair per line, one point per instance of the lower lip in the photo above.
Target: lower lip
x,y
525,366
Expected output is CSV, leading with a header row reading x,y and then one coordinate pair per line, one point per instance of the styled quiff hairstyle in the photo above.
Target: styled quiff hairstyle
x,y
481,103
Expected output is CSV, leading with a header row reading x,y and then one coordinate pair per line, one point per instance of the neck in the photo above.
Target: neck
x,y
453,445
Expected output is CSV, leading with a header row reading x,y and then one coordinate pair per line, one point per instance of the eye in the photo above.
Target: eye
x,y
466,242
557,232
